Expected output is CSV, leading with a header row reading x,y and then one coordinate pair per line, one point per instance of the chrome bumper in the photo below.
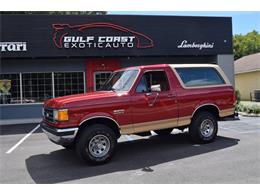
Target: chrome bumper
x,y
59,136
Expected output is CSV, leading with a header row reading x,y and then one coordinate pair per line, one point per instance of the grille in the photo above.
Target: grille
x,y
48,114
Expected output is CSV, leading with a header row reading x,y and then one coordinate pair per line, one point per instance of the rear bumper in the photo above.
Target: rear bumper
x,y
59,136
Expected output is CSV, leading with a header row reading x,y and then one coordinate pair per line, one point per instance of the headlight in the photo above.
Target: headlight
x,y
61,115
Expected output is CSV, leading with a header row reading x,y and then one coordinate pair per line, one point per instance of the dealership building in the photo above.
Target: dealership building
x,y
47,56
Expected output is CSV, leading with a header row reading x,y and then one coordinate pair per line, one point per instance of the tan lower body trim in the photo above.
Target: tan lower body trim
x,y
155,125
226,112
184,121
167,123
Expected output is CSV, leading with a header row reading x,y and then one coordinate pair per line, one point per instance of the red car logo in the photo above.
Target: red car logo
x,y
61,30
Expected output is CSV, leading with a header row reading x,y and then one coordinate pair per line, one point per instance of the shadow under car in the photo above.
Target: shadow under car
x,y
63,165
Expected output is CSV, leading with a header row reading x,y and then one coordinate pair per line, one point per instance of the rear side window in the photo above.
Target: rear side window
x,y
200,76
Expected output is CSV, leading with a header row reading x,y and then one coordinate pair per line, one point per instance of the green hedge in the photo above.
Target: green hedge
x,y
250,109
247,108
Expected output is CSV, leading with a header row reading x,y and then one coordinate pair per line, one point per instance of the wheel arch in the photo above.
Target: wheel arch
x,y
105,120
212,108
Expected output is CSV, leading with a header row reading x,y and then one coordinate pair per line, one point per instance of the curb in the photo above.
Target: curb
x,y
20,121
249,114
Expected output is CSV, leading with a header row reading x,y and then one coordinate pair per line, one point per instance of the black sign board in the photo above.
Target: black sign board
x,y
113,35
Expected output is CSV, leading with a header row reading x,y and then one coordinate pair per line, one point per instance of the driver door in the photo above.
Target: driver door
x,y
154,104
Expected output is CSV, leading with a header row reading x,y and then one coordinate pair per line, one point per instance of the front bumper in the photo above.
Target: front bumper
x,y
59,136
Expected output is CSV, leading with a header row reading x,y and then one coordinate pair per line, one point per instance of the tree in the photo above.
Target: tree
x,y
246,44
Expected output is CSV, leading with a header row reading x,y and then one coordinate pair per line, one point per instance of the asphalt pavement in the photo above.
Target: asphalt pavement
x,y
234,157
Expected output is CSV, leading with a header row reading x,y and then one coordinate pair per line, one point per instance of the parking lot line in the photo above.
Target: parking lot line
x,y
21,141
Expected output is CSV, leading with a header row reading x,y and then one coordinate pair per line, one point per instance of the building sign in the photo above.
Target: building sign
x,y
98,35
13,46
187,45
64,36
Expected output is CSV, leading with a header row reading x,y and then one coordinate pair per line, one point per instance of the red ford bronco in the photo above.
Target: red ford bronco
x,y
138,100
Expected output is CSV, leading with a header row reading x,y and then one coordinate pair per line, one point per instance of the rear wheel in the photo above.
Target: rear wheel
x,y
203,128
96,144
164,131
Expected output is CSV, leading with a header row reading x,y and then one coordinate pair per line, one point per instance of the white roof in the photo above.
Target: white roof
x,y
192,65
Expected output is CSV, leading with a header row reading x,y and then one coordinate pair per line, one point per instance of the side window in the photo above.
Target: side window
x,y
142,86
200,76
153,78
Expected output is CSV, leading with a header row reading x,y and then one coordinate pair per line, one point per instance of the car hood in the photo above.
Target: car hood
x,y
78,100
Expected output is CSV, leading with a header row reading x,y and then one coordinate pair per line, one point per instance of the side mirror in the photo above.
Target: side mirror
x,y
155,88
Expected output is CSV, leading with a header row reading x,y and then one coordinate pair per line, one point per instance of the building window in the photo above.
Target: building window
x,y
68,83
38,87
200,76
10,89
100,78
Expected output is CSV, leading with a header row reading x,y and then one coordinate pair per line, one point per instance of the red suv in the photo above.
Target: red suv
x,y
138,100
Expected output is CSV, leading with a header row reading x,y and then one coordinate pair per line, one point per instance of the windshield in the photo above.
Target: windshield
x,y
120,81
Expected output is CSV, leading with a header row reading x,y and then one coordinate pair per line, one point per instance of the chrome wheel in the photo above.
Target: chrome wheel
x,y
99,145
207,128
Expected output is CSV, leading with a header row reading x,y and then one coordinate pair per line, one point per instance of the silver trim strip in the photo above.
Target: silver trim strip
x,y
100,117
57,138
67,130
209,104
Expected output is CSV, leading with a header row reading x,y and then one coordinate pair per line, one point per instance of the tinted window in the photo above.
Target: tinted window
x,y
199,76
153,78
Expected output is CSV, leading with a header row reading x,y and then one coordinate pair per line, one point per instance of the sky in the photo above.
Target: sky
x,y
242,21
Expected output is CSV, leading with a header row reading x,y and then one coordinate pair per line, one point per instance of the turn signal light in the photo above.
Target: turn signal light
x,y
61,115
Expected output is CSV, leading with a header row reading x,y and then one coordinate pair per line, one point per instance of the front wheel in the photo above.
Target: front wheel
x,y
203,128
96,144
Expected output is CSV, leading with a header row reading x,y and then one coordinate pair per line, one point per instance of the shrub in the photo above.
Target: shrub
x,y
238,95
248,108
256,109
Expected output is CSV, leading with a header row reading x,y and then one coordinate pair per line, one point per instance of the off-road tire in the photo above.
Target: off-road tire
x,y
196,131
83,143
